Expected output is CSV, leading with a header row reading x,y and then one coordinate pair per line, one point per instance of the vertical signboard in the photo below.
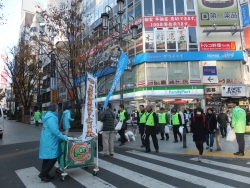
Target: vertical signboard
x,y
209,72
53,96
247,37
218,12
245,15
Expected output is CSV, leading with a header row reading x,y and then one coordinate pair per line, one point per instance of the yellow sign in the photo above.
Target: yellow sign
x,y
53,96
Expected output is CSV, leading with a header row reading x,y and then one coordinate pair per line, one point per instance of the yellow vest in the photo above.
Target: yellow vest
x,y
175,119
150,119
142,117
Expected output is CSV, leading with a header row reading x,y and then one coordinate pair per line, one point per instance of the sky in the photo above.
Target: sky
x,y
10,31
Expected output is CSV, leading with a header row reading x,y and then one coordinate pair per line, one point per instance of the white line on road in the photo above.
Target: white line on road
x,y
198,168
225,165
248,163
170,172
133,176
87,179
30,179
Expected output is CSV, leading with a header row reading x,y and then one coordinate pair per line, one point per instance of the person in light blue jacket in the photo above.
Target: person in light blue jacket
x,y
66,119
50,148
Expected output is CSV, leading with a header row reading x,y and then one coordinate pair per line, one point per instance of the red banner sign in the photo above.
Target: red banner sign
x,y
170,21
210,46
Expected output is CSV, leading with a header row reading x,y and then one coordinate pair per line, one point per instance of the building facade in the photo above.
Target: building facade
x,y
186,52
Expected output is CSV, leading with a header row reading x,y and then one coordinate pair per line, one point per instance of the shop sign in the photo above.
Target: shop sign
x,y
213,103
245,15
247,37
53,96
170,21
218,12
212,90
209,72
180,92
130,85
211,46
233,91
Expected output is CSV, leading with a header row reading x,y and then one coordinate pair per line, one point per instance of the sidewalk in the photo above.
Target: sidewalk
x,y
228,148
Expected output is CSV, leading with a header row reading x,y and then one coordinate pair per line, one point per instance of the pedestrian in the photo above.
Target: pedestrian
x,y
248,117
176,122
199,129
162,122
229,116
239,126
66,119
108,118
222,119
124,118
151,129
186,120
37,117
49,149
141,122
182,117
211,128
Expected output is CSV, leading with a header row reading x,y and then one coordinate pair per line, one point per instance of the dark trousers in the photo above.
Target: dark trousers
x,y
199,146
177,132
223,131
166,134
185,127
47,165
142,131
143,140
100,140
155,142
241,142
37,123
210,139
122,135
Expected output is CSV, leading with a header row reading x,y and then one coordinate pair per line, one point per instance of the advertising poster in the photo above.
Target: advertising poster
x,y
245,15
218,12
247,37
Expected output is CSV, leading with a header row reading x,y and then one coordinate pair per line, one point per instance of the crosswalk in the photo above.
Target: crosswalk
x,y
138,169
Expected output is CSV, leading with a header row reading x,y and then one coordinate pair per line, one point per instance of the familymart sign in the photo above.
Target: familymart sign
x,y
185,92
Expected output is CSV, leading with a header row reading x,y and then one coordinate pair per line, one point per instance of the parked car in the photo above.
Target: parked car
x,y
1,122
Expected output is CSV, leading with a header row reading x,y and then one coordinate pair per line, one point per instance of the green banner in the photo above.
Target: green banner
x,y
76,153
223,12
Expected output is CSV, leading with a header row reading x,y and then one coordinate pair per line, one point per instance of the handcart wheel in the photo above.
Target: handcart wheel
x,y
95,173
58,171
62,178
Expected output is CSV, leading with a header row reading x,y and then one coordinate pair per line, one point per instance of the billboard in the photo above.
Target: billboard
x,y
213,46
247,37
245,15
224,12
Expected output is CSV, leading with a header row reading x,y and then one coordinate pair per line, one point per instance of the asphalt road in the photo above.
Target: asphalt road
x,y
19,167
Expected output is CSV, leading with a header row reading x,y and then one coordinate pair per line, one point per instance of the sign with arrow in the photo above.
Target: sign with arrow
x,y
209,72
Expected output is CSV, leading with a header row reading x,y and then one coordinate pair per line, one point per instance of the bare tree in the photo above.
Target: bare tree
x,y
2,94
2,19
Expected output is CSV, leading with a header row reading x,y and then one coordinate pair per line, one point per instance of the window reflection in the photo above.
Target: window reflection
x,y
169,7
171,41
160,41
148,11
149,41
179,7
158,7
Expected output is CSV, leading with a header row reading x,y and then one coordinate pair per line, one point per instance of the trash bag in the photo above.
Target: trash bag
x,y
228,128
181,129
231,136
166,129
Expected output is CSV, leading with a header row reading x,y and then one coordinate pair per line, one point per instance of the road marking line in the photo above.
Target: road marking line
x,y
132,176
248,163
212,171
30,179
225,165
171,172
87,179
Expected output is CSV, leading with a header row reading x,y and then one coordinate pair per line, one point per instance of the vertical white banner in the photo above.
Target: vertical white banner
x,y
89,119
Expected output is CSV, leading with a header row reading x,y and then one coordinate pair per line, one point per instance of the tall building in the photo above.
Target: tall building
x,y
188,53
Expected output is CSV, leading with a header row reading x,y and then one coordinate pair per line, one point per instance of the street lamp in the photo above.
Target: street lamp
x,y
105,24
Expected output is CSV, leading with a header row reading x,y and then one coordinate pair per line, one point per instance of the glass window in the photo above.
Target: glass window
x,y
190,4
177,72
160,40
228,69
140,73
139,42
179,7
149,41
148,11
138,11
194,69
171,41
192,39
158,7
169,7
182,40
159,78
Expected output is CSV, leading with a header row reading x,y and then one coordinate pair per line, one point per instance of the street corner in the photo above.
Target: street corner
x,y
225,154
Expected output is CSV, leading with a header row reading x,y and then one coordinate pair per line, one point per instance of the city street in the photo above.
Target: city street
x,y
128,168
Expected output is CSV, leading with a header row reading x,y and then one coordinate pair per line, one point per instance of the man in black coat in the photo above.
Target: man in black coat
x,y
151,129
141,120
211,128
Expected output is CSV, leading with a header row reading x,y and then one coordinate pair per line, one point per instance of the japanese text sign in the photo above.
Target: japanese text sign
x,y
217,12
245,15
233,91
247,37
212,46
170,21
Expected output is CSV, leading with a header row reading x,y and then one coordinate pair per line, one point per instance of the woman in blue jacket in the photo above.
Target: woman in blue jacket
x,y
49,142
66,119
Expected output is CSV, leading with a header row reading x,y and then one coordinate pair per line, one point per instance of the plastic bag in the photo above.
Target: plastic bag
x,y
181,129
99,126
166,129
228,128
117,137
40,121
231,136
119,126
